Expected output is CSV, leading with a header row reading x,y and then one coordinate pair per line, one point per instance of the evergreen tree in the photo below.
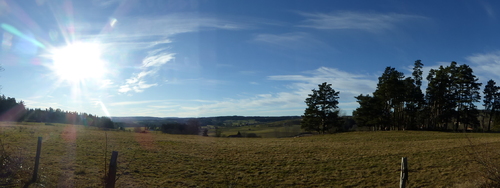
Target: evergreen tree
x,y
369,112
395,103
416,100
491,100
440,105
466,94
390,92
322,112
451,93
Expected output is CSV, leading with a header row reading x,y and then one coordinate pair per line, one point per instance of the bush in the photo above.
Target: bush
x,y
137,129
252,135
11,167
218,132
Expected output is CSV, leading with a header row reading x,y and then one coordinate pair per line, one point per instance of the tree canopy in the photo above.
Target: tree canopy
x,y
322,114
450,99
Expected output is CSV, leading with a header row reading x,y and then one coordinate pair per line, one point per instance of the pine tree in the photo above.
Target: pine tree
x,y
440,105
322,112
452,92
491,100
369,112
466,94
390,93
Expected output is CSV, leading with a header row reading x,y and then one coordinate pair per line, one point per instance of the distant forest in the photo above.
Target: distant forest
x,y
11,110
221,121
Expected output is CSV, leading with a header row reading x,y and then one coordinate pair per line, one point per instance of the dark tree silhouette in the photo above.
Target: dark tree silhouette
x,y
369,112
491,100
322,112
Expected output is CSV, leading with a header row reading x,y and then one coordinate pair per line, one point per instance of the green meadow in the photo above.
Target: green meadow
x,y
76,156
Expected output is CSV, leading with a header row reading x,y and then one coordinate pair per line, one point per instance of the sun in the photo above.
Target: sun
x,y
78,62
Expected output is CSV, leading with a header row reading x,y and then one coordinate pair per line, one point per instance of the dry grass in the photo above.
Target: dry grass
x,y
73,156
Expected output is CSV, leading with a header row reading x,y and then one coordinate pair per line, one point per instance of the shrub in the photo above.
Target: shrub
x,y
137,129
218,132
11,167
252,135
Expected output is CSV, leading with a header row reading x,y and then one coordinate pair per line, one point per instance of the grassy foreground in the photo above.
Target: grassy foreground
x,y
73,156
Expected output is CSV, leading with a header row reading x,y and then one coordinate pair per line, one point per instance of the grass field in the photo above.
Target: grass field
x,y
277,129
73,156
260,131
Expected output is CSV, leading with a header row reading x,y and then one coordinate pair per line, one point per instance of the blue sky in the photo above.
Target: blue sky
x,y
182,58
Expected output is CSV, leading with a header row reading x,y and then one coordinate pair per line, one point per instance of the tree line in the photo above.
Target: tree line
x,y
11,110
449,102
398,103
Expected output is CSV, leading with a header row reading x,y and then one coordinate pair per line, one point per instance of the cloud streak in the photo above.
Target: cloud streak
x,y
150,66
371,22
127,103
292,41
171,24
345,82
282,40
145,32
486,65
289,102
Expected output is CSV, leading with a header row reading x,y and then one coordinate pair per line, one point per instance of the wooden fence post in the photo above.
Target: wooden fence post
x,y
404,173
37,159
110,182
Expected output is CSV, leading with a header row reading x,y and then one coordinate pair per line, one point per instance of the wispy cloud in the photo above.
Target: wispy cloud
x,y
287,38
291,101
152,33
171,24
106,83
129,43
371,22
126,103
294,40
163,106
486,65
144,32
348,84
488,9
105,3
150,66
201,81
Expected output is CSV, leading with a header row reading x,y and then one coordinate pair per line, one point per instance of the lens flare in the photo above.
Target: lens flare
x,y
14,31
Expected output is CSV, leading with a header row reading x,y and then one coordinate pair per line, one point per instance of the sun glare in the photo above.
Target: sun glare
x,y
78,62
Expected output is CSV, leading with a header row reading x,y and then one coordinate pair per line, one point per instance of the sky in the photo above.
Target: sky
x,y
188,58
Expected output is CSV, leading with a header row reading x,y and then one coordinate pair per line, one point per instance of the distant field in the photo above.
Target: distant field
x,y
261,131
277,129
73,156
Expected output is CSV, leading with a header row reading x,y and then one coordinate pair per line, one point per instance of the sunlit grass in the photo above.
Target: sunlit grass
x,y
261,131
74,156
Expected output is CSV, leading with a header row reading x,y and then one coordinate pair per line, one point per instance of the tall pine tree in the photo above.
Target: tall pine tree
x,y
491,101
322,114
